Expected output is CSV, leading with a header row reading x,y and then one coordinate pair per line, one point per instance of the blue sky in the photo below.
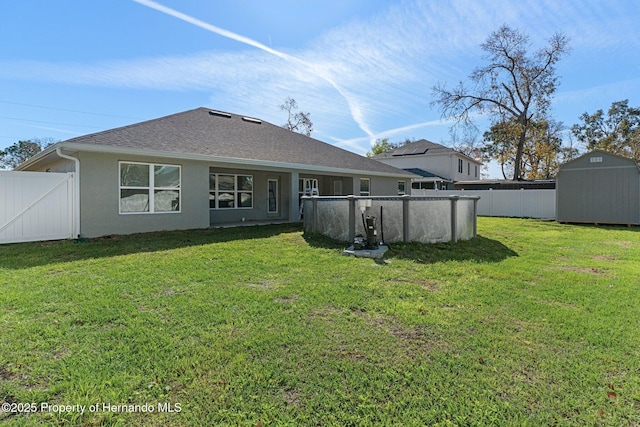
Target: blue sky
x,y
363,68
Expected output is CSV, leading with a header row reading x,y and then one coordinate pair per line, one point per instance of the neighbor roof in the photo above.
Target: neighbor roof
x,y
218,135
424,174
420,147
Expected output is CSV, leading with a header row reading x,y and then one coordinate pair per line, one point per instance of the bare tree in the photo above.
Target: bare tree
x,y
513,87
297,121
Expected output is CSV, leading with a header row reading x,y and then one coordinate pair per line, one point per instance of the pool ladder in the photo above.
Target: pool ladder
x,y
310,188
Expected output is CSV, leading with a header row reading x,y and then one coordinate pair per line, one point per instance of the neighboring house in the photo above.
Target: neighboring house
x,y
203,168
438,166
599,187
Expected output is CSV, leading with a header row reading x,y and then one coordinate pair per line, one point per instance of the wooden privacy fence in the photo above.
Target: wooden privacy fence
x,y
506,203
404,218
36,206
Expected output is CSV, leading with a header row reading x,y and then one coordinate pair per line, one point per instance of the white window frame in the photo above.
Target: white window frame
x,y
365,193
460,165
402,184
275,195
151,189
236,192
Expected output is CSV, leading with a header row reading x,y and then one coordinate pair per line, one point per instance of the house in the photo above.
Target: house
x,y
599,188
438,166
203,168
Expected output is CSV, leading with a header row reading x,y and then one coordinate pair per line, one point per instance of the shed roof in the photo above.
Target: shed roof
x,y
594,159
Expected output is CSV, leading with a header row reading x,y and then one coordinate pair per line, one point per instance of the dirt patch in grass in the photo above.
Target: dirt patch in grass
x,y
292,397
5,374
451,307
622,243
554,303
415,339
170,292
431,285
327,313
265,285
604,258
287,300
587,270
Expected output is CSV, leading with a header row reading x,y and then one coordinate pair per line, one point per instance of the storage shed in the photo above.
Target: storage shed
x,y
599,188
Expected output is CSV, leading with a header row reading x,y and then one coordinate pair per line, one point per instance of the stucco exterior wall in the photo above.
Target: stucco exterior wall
x,y
100,193
100,197
444,165
259,211
57,165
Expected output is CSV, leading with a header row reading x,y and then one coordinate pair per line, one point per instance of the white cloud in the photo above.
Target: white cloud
x,y
375,72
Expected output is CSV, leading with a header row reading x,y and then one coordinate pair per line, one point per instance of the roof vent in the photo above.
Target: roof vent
x,y
252,120
219,114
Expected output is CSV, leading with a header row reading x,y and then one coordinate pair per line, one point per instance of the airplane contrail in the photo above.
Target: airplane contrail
x,y
354,108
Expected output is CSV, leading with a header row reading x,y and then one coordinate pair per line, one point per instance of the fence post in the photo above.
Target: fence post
x,y
314,218
352,217
454,218
475,216
491,202
405,217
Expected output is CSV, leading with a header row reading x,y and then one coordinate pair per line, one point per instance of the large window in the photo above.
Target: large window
x,y
228,191
149,188
365,187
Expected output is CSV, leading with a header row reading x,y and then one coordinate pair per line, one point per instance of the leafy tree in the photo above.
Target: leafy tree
x,y
542,151
382,146
618,132
500,140
515,88
541,155
297,121
21,151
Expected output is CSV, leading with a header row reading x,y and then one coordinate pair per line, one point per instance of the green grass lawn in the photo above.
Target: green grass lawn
x,y
532,323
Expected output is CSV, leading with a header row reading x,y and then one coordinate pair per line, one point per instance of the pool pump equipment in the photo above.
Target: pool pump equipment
x,y
370,224
369,245
370,241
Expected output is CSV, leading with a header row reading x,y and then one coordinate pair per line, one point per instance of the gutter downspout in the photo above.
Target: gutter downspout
x,y
76,190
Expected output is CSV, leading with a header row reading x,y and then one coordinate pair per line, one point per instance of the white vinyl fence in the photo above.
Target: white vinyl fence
x,y
506,203
36,206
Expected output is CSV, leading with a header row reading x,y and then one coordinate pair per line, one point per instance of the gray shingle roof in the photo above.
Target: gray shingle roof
x,y
209,133
415,148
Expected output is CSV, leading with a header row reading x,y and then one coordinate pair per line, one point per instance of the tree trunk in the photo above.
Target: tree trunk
x,y
517,168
